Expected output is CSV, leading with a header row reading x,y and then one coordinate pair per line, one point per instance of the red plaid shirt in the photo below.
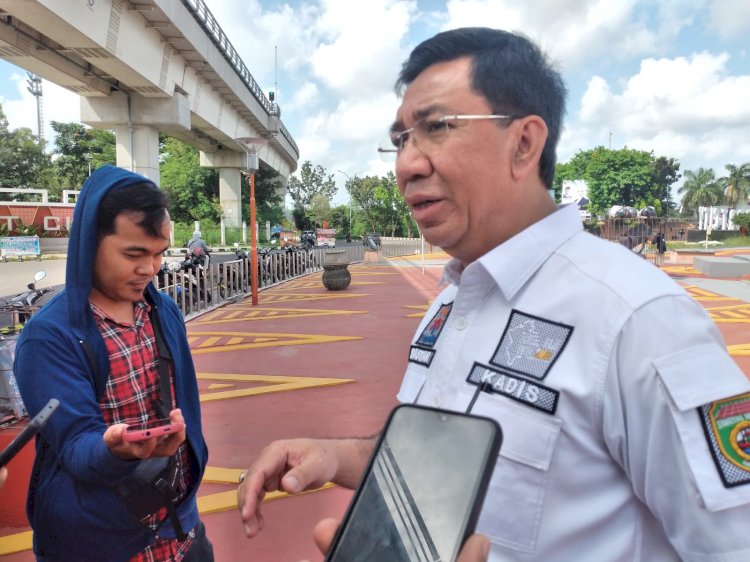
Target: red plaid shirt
x,y
131,388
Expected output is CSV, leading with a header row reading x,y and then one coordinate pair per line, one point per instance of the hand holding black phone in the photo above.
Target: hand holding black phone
x,y
423,489
36,424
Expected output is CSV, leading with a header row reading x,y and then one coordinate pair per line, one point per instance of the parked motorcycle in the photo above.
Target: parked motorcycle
x,y
196,268
23,305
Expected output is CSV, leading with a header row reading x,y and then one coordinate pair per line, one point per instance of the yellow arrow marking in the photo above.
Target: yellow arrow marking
x,y
267,298
217,386
266,313
274,383
217,342
703,295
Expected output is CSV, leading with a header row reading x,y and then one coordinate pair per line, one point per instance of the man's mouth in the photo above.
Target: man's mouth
x,y
424,204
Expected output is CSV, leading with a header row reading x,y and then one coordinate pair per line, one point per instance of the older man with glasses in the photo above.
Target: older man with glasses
x,y
626,422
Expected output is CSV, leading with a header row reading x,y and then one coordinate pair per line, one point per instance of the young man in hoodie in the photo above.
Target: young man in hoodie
x,y
94,348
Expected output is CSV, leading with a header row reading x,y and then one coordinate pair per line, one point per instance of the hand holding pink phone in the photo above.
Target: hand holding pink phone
x,y
156,428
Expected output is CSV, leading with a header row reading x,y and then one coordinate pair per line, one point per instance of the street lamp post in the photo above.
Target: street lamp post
x,y
251,145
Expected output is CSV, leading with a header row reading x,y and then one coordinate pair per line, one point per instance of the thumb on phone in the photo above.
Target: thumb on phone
x,y
475,549
324,532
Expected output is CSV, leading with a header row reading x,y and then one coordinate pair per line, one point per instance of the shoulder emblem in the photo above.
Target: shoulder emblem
x,y
727,426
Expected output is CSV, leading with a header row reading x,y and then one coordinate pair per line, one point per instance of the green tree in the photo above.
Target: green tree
x,y
319,209
23,162
620,177
666,173
312,180
193,190
269,200
362,193
700,189
79,150
736,183
339,218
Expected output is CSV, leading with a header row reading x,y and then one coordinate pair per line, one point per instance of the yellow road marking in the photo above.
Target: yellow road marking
x,y
274,383
227,501
741,349
703,295
218,386
254,340
274,313
210,503
267,298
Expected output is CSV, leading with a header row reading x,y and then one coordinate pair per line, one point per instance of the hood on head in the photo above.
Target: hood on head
x,y
83,241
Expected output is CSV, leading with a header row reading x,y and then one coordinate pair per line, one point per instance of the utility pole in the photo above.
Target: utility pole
x,y
610,139
35,88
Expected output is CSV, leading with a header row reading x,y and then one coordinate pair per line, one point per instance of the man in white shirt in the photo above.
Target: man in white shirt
x,y
626,423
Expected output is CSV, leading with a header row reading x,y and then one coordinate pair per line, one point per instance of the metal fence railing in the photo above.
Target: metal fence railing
x,y
200,290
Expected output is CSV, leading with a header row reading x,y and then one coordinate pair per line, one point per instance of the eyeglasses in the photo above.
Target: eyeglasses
x,y
428,133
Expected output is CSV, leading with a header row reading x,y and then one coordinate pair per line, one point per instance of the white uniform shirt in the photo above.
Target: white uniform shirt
x,y
607,380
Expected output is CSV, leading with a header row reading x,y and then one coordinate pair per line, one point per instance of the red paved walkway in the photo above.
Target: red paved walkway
x,y
311,362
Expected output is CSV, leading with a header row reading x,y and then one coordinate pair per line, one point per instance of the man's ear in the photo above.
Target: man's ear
x,y
531,134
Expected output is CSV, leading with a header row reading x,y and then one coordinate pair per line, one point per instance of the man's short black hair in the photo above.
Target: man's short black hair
x,y
509,70
139,198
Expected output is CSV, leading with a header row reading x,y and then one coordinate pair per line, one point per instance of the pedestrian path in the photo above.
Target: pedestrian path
x,y
311,362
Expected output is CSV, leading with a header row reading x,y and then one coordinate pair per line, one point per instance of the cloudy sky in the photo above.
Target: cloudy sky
x,y
669,76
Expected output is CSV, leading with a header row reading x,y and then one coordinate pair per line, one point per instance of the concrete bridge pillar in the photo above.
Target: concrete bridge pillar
x,y
137,121
230,196
137,149
230,165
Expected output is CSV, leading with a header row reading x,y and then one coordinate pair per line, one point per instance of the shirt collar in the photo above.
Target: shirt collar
x,y
512,263
141,309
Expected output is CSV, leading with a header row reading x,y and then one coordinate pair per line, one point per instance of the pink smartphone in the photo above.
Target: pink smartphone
x,y
155,428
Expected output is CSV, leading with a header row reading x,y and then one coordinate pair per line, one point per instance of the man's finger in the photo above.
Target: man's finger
x,y
324,532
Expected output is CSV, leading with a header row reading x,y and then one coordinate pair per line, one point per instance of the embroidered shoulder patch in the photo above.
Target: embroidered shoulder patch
x,y
727,426
430,334
530,345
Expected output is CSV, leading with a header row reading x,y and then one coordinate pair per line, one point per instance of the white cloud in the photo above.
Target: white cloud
x,y
730,18
690,108
58,104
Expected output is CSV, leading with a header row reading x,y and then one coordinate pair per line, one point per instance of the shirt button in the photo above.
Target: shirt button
x,y
461,323
436,401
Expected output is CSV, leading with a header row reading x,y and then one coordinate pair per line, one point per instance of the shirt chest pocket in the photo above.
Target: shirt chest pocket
x,y
513,507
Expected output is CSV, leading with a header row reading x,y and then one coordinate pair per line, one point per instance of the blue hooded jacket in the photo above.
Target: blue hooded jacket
x,y
71,505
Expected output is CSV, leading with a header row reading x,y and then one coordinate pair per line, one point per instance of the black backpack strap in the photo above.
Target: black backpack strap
x,y
163,362
163,406
98,390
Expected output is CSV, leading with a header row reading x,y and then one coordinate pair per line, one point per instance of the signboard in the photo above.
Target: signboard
x,y
326,237
19,246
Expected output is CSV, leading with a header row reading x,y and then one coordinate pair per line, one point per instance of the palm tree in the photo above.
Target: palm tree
x,y
736,183
701,189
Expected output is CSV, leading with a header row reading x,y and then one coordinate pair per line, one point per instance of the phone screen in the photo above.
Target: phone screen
x,y
423,489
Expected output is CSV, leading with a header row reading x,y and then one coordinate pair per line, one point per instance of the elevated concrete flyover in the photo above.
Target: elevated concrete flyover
x,y
149,66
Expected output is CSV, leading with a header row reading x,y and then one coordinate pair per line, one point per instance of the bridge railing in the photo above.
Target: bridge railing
x,y
205,18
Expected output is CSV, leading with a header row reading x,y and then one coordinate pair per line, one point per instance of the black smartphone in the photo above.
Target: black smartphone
x,y
28,432
423,489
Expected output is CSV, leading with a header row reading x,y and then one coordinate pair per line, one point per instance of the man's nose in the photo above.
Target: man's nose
x,y
411,163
